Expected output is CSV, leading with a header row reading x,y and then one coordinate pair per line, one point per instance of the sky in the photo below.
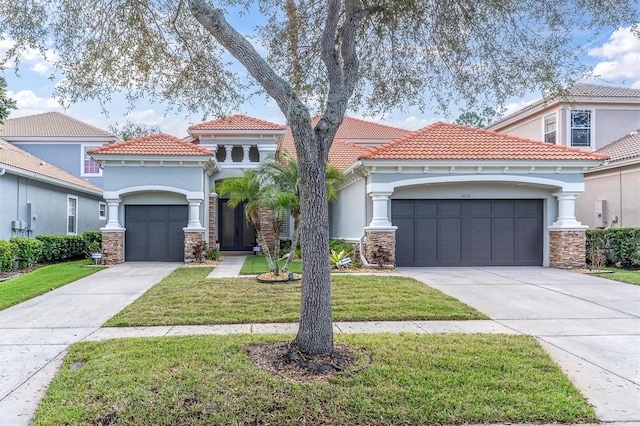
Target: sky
x,y
614,57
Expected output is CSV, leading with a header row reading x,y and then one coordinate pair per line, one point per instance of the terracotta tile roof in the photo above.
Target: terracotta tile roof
x,y
158,144
578,90
624,148
354,128
49,124
446,141
12,156
237,122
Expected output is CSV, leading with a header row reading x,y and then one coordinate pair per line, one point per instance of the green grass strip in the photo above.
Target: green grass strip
x,y
42,280
623,275
186,297
254,265
413,380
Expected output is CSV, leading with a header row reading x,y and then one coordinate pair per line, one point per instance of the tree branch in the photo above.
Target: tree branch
x,y
213,20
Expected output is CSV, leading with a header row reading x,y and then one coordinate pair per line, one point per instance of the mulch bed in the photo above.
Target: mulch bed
x,y
272,358
283,277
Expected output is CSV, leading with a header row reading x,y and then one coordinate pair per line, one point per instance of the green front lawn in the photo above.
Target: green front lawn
x,y
623,275
254,265
413,380
42,280
187,297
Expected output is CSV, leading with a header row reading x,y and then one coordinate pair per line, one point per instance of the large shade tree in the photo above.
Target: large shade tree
x,y
6,103
323,56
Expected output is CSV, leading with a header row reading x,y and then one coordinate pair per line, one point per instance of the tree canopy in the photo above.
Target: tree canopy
x,y
6,103
478,120
312,56
130,130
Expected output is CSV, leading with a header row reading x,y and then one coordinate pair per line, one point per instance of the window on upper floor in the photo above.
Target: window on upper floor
x,y
72,215
89,167
550,128
581,128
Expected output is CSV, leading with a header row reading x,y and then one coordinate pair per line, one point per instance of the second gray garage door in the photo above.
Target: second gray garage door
x,y
154,233
468,232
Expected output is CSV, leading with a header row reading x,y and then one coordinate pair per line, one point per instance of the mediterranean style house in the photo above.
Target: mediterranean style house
x,y
445,195
597,118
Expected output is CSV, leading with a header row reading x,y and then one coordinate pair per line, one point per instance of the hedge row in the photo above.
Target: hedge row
x,y
46,248
621,245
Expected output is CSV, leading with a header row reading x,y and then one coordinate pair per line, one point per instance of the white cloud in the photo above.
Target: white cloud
x,y
29,103
38,62
411,123
516,106
619,57
172,124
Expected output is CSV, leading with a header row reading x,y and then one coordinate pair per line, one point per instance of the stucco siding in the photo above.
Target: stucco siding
x,y
395,177
48,206
67,156
619,188
531,129
185,178
348,212
612,124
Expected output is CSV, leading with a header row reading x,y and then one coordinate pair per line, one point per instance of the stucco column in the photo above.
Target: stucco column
x,y
113,207
267,149
566,211
245,152
228,158
194,214
380,217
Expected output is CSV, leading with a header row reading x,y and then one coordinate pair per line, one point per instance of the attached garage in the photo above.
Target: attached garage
x,y
468,232
155,233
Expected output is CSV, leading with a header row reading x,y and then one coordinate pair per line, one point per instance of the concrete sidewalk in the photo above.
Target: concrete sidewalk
x,y
228,268
35,335
590,326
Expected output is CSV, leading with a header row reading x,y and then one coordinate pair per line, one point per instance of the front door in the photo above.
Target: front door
x,y
235,231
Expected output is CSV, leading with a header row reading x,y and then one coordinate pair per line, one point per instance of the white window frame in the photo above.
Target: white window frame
x,y
75,217
102,210
554,117
83,153
592,121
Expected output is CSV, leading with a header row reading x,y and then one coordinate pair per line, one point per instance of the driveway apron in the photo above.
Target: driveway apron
x,y
35,335
590,326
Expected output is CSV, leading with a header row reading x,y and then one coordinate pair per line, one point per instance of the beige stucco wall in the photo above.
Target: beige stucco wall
x,y
612,124
531,129
612,185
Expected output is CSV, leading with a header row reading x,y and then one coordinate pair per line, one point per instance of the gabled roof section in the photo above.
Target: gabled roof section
x,y
237,122
625,148
159,144
50,125
355,128
577,92
446,141
12,156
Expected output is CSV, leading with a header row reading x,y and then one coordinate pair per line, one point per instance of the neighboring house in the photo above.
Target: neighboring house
x,y
591,117
612,191
37,198
445,195
60,140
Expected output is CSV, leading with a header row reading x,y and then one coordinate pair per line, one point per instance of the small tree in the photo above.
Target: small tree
x,y
478,120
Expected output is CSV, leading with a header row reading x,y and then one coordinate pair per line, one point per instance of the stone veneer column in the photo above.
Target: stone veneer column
x,y
567,249
213,219
567,236
192,237
112,246
383,240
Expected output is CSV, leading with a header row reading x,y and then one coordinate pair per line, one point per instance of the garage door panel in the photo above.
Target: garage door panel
x,y
468,232
449,240
480,239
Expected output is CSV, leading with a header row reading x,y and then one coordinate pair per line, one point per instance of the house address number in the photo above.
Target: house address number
x,y
465,195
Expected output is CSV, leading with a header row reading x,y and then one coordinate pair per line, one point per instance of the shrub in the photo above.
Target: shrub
x,y
62,247
213,255
335,258
621,245
7,255
27,250
92,237
338,245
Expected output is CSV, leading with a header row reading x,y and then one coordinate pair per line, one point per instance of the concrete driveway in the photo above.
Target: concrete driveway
x,y
35,335
590,326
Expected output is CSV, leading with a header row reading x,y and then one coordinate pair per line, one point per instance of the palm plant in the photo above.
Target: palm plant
x,y
281,173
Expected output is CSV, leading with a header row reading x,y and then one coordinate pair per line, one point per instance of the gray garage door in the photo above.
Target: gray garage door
x,y
468,232
154,233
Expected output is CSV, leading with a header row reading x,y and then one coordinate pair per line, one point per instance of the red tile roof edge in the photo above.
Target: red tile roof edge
x,y
268,125
109,148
